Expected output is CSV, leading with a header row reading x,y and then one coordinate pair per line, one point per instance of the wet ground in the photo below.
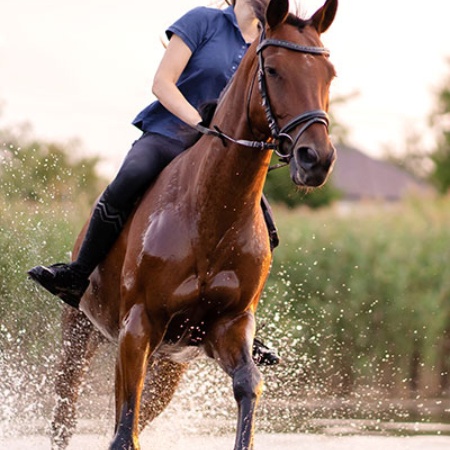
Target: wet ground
x,y
170,441
181,433
185,429
202,416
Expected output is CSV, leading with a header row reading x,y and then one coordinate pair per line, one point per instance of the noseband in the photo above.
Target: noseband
x,y
306,119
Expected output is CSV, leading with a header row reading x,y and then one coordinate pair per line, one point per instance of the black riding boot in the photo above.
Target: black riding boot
x,y
270,222
263,355
70,281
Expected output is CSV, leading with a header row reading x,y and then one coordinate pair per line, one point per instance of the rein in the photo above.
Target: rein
x,y
262,145
307,119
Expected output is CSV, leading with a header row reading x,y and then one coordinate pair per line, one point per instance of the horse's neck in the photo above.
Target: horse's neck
x,y
231,176
234,173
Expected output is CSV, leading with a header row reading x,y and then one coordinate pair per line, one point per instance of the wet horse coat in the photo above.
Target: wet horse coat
x,y
187,272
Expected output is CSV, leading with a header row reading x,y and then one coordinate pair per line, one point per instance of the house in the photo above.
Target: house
x,y
360,177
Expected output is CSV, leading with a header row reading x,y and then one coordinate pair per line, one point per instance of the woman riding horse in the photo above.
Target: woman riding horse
x,y
186,274
205,48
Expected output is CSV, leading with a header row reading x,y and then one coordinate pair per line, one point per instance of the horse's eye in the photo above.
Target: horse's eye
x,y
270,71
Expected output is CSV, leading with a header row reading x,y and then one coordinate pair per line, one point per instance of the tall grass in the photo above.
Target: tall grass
x,y
31,233
354,299
365,296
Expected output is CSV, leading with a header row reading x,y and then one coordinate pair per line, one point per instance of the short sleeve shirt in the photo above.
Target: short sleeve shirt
x,y
217,47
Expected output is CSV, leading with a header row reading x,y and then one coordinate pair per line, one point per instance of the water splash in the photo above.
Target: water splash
x,y
306,316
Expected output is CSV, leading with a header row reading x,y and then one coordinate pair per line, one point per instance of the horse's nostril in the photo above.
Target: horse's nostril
x,y
308,157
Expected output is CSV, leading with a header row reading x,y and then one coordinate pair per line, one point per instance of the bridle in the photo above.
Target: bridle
x,y
306,119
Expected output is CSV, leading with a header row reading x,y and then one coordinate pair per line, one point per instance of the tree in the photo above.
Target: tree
x,y
338,129
431,164
440,122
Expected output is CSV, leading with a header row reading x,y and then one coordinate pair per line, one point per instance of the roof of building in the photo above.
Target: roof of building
x,y
359,176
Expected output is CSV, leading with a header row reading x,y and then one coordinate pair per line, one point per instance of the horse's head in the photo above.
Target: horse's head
x,y
295,77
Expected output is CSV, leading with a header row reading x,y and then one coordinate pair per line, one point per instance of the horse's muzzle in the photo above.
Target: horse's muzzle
x,y
310,167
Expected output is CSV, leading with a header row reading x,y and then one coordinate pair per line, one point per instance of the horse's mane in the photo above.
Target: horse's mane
x,y
207,111
297,22
260,7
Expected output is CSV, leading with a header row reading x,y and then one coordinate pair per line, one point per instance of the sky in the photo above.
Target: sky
x,y
82,69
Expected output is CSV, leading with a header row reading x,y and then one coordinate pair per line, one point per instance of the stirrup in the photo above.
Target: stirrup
x,y
263,355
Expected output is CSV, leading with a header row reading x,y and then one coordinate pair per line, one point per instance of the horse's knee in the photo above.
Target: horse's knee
x,y
247,382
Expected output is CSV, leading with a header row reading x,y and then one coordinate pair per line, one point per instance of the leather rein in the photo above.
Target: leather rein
x,y
306,119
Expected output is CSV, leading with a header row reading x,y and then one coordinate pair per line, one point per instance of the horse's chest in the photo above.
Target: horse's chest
x,y
191,268
208,289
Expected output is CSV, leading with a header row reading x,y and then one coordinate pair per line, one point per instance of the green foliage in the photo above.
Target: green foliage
x,y
40,171
32,234
45,195
364,299
440,156
441,159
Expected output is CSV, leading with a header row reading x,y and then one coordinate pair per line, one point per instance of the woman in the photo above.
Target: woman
x,y
205,48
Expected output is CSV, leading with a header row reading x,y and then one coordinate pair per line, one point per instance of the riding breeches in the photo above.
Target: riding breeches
x,y
146,159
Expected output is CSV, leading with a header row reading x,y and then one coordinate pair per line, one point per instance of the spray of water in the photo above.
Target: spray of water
x,y
312,390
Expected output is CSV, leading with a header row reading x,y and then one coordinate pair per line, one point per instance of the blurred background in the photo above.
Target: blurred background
x,y
358,300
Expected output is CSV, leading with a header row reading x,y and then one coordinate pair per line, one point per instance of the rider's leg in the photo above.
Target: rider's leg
x,y
148,156
270,222
263,355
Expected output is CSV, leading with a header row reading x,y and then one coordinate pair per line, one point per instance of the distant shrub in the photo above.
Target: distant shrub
x,y
365,296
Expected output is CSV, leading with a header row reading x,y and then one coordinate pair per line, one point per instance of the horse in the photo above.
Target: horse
x,y
186,274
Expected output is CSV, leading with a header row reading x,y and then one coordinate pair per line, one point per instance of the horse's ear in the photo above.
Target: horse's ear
x,y
277,12
323,18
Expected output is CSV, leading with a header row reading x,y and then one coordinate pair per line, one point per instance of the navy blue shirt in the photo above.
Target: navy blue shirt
x,y
217,48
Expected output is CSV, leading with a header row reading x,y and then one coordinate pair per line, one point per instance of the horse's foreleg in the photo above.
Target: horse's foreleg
x,y
162,379
247,388
134,349
230,344
79,342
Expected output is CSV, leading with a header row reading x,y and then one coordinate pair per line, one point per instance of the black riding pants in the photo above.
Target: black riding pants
x,y
146,159
143,163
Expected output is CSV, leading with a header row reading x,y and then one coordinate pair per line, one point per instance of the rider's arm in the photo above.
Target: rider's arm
x,y
164,87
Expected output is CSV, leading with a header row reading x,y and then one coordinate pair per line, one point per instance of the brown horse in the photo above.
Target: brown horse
x,y
186,274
